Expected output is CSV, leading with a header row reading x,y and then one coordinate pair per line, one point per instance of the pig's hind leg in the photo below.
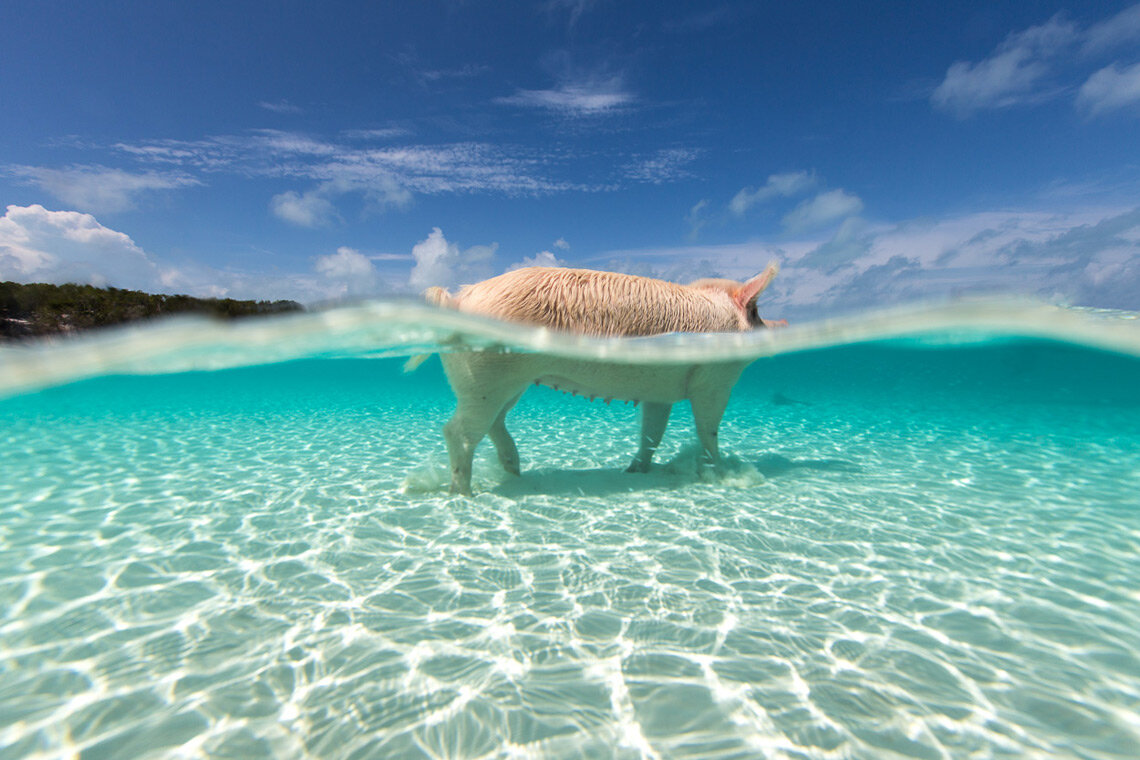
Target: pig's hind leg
x,y
708,409
654,420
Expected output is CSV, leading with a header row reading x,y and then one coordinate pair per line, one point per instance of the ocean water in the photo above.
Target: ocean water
x,y
237,542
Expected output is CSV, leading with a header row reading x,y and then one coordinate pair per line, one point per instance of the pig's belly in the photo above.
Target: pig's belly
x,y
478,374
625,382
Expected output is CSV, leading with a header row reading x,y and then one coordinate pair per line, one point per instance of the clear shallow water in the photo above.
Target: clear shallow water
x,y
921,547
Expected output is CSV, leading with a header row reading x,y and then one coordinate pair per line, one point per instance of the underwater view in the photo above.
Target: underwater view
x,y
237,541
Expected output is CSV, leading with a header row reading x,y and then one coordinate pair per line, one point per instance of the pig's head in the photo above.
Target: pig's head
x,y
744,295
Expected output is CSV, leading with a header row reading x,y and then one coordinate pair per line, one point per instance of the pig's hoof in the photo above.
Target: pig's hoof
x,y
638,466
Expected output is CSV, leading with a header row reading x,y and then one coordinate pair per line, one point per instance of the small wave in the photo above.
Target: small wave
x,y
392,328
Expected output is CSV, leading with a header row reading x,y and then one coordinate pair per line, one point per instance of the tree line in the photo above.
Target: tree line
x,y
30,310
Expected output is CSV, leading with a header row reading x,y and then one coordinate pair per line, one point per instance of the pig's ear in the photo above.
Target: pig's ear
x,y
754,287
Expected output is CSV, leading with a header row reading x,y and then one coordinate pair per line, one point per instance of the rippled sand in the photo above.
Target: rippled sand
x,y
911,553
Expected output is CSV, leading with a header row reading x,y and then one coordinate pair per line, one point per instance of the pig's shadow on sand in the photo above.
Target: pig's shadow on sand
x,y
605,481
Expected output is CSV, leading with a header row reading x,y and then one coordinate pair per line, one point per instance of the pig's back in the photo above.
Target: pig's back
x,y
598,303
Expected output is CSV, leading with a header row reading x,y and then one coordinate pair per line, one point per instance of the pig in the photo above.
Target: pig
x,y
602,304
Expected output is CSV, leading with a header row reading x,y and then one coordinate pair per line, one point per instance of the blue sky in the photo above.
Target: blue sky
x,y
883,152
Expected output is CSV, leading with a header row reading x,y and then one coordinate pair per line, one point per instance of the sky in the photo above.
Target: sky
x,y
882,152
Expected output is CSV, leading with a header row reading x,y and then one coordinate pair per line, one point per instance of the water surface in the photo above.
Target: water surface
x,y
236,541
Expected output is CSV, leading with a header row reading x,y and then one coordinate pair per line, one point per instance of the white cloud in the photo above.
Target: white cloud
x,y
575,8
696,218
1109,89
392,173
821,210
581,97
541,259
38,245
1012,74
561,244
778,185
1122,28
439,262
382,134
280,106
98,189
666,165
349,271
310,209
1089,257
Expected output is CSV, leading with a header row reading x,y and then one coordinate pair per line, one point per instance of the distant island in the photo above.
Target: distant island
x,y
38,309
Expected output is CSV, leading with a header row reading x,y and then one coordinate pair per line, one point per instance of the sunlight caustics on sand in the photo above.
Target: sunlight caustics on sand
x,y
236,541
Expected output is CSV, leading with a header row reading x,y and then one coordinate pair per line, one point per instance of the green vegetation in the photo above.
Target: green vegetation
x,y
41,309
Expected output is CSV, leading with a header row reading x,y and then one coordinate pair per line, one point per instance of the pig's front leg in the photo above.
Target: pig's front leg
x,y
708,409
476,414
654,419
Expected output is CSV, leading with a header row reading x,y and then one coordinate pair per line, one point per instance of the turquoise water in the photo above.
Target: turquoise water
x,y
923,543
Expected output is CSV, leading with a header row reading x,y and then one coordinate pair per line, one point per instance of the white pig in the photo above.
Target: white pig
x,y
603,304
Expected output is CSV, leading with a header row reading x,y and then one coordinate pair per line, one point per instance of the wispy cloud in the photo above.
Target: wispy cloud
x,y
280,106
1121,29
1044,62
697,218
1088,256
1012,74
1110,89
466,71
778,186
821,210
705,18
667,165
98,189
576,99
380,134
426,169
573,8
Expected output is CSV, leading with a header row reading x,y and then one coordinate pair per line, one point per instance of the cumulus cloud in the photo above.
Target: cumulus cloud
x,y
1110,89
561,244
541,259
822,210
98,189
778,185
351,272
442,263
1010,75
38,245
